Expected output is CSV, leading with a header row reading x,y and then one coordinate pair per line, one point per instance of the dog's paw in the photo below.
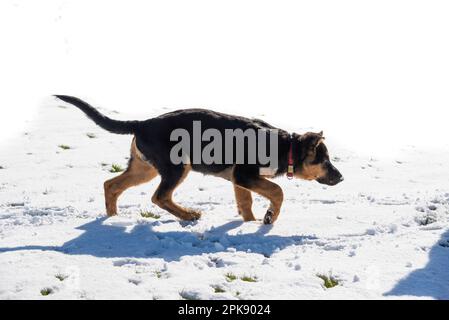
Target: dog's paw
x,y
268,219
194,215
111,213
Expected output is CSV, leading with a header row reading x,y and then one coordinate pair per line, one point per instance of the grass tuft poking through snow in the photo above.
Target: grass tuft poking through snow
x,y
149,214
46,291
219,289
61,277
230,277
116,168
248,279
64,147
329,281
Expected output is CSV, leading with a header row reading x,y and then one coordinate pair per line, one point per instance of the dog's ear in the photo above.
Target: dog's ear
x,y
310,141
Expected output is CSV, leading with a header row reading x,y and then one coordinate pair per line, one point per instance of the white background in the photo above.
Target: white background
x,y
373,74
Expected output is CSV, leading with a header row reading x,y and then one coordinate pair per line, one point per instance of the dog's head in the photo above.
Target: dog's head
x,y
314,162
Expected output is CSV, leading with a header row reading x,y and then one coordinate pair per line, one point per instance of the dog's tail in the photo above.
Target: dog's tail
x,y
114,126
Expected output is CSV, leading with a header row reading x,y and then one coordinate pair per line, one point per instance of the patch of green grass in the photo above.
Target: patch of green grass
x,y
149,214
248,279
230,277
46,291
158,274
115,168
64,147
329,281
218,289
91,135
61,277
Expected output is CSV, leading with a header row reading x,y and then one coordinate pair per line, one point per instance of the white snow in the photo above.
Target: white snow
x,y
382,232
372,75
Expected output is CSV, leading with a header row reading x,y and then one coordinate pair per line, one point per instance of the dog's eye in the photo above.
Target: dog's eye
x,y
312,151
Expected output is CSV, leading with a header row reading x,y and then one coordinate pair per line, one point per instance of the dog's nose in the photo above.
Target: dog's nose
x,y
342,178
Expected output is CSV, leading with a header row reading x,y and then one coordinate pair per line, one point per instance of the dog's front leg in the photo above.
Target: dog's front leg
x,y
244,203
273,192
265,188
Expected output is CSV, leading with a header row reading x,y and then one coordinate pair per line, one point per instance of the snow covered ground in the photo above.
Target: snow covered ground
x,y
382,233
372,75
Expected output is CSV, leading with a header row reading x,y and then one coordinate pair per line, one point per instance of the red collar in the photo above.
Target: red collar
x,y
290,160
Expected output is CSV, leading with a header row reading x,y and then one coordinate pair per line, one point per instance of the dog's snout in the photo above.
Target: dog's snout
x,y
338,177
332,177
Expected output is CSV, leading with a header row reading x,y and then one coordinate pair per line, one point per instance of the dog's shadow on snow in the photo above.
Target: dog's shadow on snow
x,y
112,240
430,281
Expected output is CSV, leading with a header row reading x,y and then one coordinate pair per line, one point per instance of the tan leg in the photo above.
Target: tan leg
x,y
272,192
163,197
244,203
138,172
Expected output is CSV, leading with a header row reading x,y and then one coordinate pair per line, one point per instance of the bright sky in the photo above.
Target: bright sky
x,y
372,74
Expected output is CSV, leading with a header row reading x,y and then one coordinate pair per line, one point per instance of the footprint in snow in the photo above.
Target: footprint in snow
x,y
128,263
135,282
444,243
186,224
16,204
325,201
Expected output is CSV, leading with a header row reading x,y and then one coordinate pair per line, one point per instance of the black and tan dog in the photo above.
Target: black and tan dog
x,y
150,156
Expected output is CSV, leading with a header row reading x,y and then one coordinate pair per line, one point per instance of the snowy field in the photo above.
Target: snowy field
x,y
382,233
372,74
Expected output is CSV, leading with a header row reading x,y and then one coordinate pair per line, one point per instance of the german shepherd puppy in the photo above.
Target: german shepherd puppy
x,y
302,156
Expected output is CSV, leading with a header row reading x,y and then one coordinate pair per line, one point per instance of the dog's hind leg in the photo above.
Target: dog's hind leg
x,y
138,172
244,203
164,193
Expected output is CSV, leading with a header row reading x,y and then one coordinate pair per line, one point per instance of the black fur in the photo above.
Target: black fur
x,y
114,126
153,140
